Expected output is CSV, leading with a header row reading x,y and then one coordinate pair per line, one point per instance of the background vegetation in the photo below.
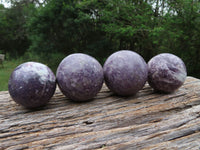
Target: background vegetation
x,y
48,30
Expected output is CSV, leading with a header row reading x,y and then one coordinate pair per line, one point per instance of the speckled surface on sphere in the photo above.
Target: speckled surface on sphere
x,y
80,77
125,72
32,84
166,72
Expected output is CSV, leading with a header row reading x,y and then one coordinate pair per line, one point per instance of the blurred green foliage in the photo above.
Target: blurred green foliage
x,y
50,30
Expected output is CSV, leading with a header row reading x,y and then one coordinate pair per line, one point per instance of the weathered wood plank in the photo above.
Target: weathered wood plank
x,y
147,120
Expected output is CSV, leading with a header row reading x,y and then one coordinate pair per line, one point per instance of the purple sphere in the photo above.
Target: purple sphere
x,y
80,77
125,72
166,72
32,84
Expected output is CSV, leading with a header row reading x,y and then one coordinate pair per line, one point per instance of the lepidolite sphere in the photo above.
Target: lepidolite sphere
x,y
80,77
125,72
166,72
32,84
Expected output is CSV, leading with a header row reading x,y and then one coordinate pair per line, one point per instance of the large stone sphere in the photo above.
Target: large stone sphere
x,y
80,77
166,72
32,84
125,72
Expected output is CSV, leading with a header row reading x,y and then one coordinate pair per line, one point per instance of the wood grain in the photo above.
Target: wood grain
x,y
146,121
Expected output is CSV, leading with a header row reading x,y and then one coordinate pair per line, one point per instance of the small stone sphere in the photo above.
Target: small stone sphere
x,y
125,72
32,84
166,72
80,77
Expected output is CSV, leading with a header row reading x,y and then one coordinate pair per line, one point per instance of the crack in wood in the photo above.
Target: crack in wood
x,y
88,122
187,133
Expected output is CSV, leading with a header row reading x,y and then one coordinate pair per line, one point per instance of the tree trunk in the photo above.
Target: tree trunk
x,y
156,13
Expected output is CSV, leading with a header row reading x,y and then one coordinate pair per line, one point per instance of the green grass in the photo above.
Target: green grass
x,y
5,72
